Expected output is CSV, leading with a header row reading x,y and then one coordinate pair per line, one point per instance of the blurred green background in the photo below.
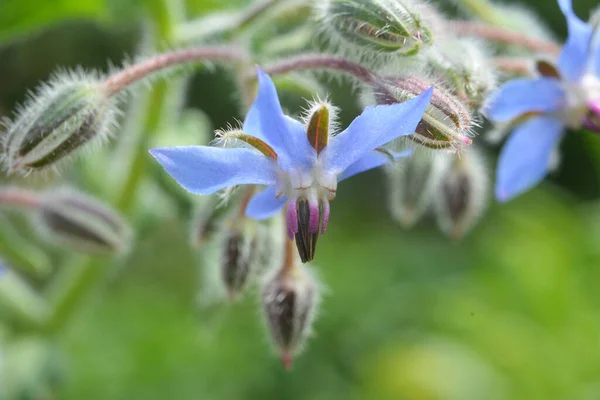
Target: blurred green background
x,y
510,312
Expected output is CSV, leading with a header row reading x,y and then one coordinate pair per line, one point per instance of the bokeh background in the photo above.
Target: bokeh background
x,y
512,311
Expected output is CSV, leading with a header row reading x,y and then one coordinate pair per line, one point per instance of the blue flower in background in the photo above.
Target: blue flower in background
x,y
552,104
294,172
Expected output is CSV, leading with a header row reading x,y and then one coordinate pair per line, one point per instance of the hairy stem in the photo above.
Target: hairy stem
x,y
321,61
503,35
513,65
122,79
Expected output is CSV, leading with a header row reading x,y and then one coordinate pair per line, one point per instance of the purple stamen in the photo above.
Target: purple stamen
x,y
292,219
314,217
325,205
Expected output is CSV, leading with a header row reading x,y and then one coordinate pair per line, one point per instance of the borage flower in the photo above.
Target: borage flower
x,y
300,164
566,97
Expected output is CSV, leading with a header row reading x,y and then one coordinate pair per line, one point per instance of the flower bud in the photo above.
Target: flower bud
x,y
411,185
446,122
465,67
63,116
83,223
461,194
239,254
376,27
289,299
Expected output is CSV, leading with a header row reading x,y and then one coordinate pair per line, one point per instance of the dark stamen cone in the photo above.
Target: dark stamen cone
x,y
318,128
306,241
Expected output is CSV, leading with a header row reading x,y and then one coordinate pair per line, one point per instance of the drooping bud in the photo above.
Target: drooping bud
x,y
83,223
465,67
372,28
63,116
289,299
461,193
446,122
411,185
239,253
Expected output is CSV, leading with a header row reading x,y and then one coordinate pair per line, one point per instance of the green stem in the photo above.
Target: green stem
x,y
483,10
83,274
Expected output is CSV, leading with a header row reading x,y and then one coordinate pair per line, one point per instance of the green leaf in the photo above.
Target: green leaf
x,y
18,18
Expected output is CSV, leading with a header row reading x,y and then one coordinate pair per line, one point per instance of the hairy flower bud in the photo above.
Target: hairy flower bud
x,y
411,186
461,194
376,27
289,299
62,117
83,223
239,254
446,123
465,67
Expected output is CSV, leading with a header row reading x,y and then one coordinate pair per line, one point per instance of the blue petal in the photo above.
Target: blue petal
x,y
205,170
524,159
369,161
375,127
266,121
520,96
594,61
264,204
574,56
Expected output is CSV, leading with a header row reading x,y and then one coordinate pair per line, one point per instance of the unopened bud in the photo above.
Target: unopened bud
x,y
289,299
466,69
62,117
446,122
411,185
83,223
376,27
461,194
239,254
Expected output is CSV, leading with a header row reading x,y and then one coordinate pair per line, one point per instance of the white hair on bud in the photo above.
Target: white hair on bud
x,y
34,107
409,12
470,167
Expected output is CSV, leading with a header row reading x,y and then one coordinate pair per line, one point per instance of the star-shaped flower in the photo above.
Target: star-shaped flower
x,y
568,97
300,165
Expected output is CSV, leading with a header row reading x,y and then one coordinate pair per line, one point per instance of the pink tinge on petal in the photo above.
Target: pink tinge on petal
x,y
594,107
292,219
325,210
314,217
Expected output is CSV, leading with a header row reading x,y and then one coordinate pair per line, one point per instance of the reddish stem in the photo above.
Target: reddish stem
x,y
503,35
120,80
19,197
321,61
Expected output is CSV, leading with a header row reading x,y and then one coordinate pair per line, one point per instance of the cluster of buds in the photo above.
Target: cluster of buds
x,y
374,28
453,186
